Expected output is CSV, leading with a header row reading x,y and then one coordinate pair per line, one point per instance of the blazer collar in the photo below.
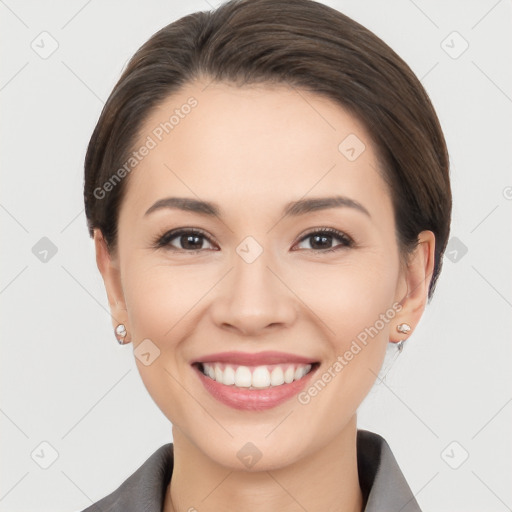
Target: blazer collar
x,y
382,483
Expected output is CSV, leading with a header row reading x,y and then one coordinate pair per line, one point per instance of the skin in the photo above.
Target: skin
x,y
251,150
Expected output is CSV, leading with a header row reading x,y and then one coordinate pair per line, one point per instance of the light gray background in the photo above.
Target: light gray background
x,y
65,381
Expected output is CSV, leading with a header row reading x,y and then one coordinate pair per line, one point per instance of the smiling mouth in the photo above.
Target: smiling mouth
x,y
255,377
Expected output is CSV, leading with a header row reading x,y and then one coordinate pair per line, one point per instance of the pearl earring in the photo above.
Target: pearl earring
x,y
403,328
120,331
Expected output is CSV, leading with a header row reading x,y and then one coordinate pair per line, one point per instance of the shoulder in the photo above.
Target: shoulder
x,y
382,482
144,489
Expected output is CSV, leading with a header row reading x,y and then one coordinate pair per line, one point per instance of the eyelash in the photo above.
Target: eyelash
x,y
163,241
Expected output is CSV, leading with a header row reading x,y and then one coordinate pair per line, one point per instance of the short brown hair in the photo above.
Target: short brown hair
x,y
300,43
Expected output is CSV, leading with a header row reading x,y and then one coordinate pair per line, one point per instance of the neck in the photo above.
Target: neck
x,y
325,481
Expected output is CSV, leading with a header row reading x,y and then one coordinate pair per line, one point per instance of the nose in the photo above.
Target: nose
x,y
254,298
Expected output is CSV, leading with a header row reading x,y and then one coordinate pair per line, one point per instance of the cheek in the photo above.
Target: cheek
x,y
355,305
159,296
342,299
348,297
339,304
158,300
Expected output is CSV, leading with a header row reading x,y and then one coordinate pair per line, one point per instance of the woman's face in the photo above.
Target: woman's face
x,y
255,279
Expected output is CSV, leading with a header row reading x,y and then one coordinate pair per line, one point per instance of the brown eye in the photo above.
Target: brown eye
x,y
322,240
189,240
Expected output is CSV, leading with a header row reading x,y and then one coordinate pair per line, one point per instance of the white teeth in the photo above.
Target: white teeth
x,y
299,373
242,377
229,376
277,376
289,374
260,377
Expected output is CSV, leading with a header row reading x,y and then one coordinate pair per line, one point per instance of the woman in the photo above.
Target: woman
x,y
268,192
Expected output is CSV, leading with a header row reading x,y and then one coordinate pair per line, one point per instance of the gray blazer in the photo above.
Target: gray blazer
x,y
382,483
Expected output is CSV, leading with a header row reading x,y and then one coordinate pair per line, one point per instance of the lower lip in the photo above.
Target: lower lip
x,y
254,399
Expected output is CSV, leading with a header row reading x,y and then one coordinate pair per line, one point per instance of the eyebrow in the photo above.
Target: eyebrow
x,y
294,208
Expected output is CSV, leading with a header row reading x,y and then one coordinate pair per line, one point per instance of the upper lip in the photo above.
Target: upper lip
x,y
256,359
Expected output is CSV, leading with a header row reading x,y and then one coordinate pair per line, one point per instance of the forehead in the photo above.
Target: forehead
x,y
243,143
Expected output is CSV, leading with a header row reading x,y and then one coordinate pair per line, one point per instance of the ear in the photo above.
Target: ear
x,y
412,289
108,265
